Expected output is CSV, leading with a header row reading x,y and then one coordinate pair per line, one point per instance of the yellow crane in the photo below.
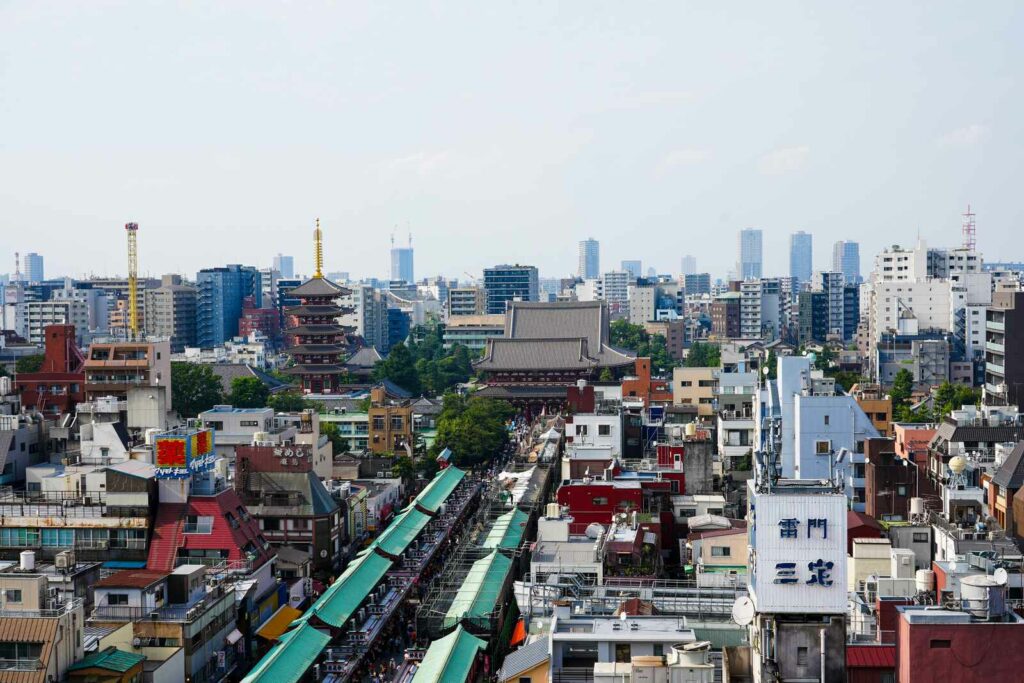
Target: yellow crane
x,y
133,279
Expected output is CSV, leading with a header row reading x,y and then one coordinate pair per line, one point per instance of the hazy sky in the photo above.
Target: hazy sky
x,y
503,131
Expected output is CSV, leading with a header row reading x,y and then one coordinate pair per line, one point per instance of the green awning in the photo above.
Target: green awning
x,y
508,530
110,659
480,590
288,661
449,659
402,531
343,597
439,488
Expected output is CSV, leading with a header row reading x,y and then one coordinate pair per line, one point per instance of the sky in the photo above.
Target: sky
x,y
503,131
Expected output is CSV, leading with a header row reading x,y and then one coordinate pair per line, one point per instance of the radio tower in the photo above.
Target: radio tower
x,y
969,230
133,278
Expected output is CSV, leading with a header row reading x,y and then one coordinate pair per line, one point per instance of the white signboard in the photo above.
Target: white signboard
x,y
798,554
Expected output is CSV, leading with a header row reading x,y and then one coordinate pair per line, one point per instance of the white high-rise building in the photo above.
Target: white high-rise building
x,y
846,260
801,256
590,259
285,266
751,258
689,265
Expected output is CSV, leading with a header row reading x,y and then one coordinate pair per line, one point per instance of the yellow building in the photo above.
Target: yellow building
x,y
695,386
876,405
529,664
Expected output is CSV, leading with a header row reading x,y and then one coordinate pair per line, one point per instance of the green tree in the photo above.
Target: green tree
x,y
28,364
3,371
248,392
339,444
288,402
400,368
846,378
704,355
606,375
772,363
902,387
196,388
403,468
949,397
473,428
625,335
823,360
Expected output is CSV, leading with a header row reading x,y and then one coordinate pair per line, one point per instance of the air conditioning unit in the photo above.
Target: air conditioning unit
x,y
154,615
64,560
380,475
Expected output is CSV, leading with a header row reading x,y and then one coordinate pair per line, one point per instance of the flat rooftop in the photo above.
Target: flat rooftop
x,y
638,628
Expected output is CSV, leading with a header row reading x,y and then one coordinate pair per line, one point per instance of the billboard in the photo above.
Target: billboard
x,y
181,453
798,552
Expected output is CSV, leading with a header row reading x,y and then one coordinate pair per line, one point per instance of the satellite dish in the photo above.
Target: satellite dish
x,y
743,610
1001,575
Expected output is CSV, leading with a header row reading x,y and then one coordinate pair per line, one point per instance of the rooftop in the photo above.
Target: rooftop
x,y
131,578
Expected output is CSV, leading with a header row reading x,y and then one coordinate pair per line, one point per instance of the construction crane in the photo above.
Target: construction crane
x,y
133,279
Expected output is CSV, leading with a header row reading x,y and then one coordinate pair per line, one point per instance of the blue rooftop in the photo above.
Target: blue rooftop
x,y
232,409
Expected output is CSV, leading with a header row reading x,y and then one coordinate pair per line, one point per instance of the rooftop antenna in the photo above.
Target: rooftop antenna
x,y
318,251
17,266
969,230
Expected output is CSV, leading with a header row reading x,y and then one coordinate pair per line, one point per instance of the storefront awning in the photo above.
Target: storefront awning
x,y
278,622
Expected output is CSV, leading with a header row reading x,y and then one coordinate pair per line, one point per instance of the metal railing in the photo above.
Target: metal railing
x,y
52,613
21,664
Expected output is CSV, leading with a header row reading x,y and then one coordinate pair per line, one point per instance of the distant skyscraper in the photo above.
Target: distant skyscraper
x,y
634,268
33,267
590,259
689,265
801,256
749,265
846,260
285,266
401,262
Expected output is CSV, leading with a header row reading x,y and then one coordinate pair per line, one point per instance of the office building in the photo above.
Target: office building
x,y
750,256
634,268
801,256
615,286
725,315
506,283
401,263
590,259
33,268
846,260
688,265
812,317
219,298
172,312
697,283
38,315
765,308
367,315
285,266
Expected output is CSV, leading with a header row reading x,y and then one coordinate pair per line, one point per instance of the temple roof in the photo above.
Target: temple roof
x,y
314,310
300,349
318,286
315,369
315,330
536,354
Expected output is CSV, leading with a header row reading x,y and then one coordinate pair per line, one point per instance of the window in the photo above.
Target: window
x,y
604,430
12,596
59,538
721,551
687,513
936,644
249,423
20,650
826,419
920,537
378,423
600,500
822,447
622,653
117,598
581,430
198,524
801,656
396,423
901,490
859,446
659,650
271,524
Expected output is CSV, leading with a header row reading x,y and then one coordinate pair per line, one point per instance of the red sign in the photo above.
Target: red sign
x,y
170,453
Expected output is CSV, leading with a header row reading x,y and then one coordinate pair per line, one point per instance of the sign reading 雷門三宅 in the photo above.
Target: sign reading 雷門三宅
x,y
798,559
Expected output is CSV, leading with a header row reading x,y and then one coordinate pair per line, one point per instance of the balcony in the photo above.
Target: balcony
x,y
65,608
20,665
172,613
994,346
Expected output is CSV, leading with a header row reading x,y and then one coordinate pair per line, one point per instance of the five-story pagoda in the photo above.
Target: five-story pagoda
x,y
318,341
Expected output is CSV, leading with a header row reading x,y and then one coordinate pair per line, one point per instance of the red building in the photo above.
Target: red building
x,y
870,663
595,501
262,320
860,525
60,383
947,645
642,387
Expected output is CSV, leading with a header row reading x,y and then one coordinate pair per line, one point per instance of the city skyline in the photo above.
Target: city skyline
x,y
497,180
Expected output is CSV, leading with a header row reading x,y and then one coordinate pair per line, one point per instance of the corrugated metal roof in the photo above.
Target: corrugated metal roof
x,y
524,659
288,661
343,597
507,531
871,656
110,659
449,659
402,531
29,630
480,590
439,488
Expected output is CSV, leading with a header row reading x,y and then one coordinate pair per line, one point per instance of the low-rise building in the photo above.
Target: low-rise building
x,y
695,386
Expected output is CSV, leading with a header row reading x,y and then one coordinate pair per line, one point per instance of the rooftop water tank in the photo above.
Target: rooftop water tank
x,y
925,580
983,596
28,560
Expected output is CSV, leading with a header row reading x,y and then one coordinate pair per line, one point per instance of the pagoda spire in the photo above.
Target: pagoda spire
x,y
318,247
